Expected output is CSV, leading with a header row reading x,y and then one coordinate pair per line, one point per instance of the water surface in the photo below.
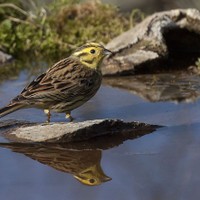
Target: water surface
x,y
161,165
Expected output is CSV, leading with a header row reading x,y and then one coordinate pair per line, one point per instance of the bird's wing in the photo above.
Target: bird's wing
x,y
64,80
45,82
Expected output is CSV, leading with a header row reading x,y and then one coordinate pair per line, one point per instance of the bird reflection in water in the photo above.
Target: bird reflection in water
x,y
84,165
81,159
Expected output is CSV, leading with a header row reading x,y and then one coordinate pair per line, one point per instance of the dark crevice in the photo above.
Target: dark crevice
x,y
182,41
183,51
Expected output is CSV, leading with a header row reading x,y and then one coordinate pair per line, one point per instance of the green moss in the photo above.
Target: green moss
x,y
57,29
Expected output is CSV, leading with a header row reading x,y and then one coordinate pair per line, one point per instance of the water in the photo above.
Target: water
x,y
161,165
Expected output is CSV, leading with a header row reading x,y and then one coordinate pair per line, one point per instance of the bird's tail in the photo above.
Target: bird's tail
x,y
9,109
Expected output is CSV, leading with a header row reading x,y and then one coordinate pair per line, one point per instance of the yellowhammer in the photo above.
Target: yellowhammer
x,y
66,85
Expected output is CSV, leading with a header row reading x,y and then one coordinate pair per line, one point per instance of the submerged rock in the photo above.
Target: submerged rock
x,y
4,58
68,132
163,41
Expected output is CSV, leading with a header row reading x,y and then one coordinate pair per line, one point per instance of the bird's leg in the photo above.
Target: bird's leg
x,y
48,114
68,116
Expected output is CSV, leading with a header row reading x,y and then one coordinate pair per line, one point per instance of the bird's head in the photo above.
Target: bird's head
x,y
92,176
91,54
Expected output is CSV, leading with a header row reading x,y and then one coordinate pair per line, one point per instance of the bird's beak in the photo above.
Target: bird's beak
x,y
107,52
106,178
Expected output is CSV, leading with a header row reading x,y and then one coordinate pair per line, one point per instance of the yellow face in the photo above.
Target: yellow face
x,y
92,176
91,54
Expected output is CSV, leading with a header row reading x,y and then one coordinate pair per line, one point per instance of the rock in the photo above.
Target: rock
x,y
4,58
163,41
68,132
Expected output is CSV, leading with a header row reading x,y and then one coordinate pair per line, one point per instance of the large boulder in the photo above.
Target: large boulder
x,y
161,42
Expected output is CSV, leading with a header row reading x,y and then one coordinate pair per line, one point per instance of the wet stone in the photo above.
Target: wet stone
x,y
69,132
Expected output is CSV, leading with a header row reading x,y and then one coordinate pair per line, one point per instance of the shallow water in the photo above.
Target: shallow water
x,y
161,165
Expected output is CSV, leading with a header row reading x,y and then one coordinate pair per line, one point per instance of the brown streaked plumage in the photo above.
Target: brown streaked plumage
x,y
84,165
66,85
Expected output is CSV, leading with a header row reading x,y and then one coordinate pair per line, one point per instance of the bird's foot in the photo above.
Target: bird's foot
x,y
48,114
68,116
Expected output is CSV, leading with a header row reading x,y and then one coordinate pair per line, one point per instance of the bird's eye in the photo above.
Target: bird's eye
x,y
92,51
91,180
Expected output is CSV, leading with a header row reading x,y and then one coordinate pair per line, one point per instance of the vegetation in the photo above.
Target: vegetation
x,y
55,29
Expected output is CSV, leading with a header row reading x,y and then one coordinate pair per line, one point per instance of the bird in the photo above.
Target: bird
x,y
83,164
66,85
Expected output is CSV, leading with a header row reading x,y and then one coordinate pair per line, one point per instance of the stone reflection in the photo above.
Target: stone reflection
x,y
81,159
178,87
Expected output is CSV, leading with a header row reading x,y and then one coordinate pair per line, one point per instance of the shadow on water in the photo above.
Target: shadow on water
x,y
81,159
